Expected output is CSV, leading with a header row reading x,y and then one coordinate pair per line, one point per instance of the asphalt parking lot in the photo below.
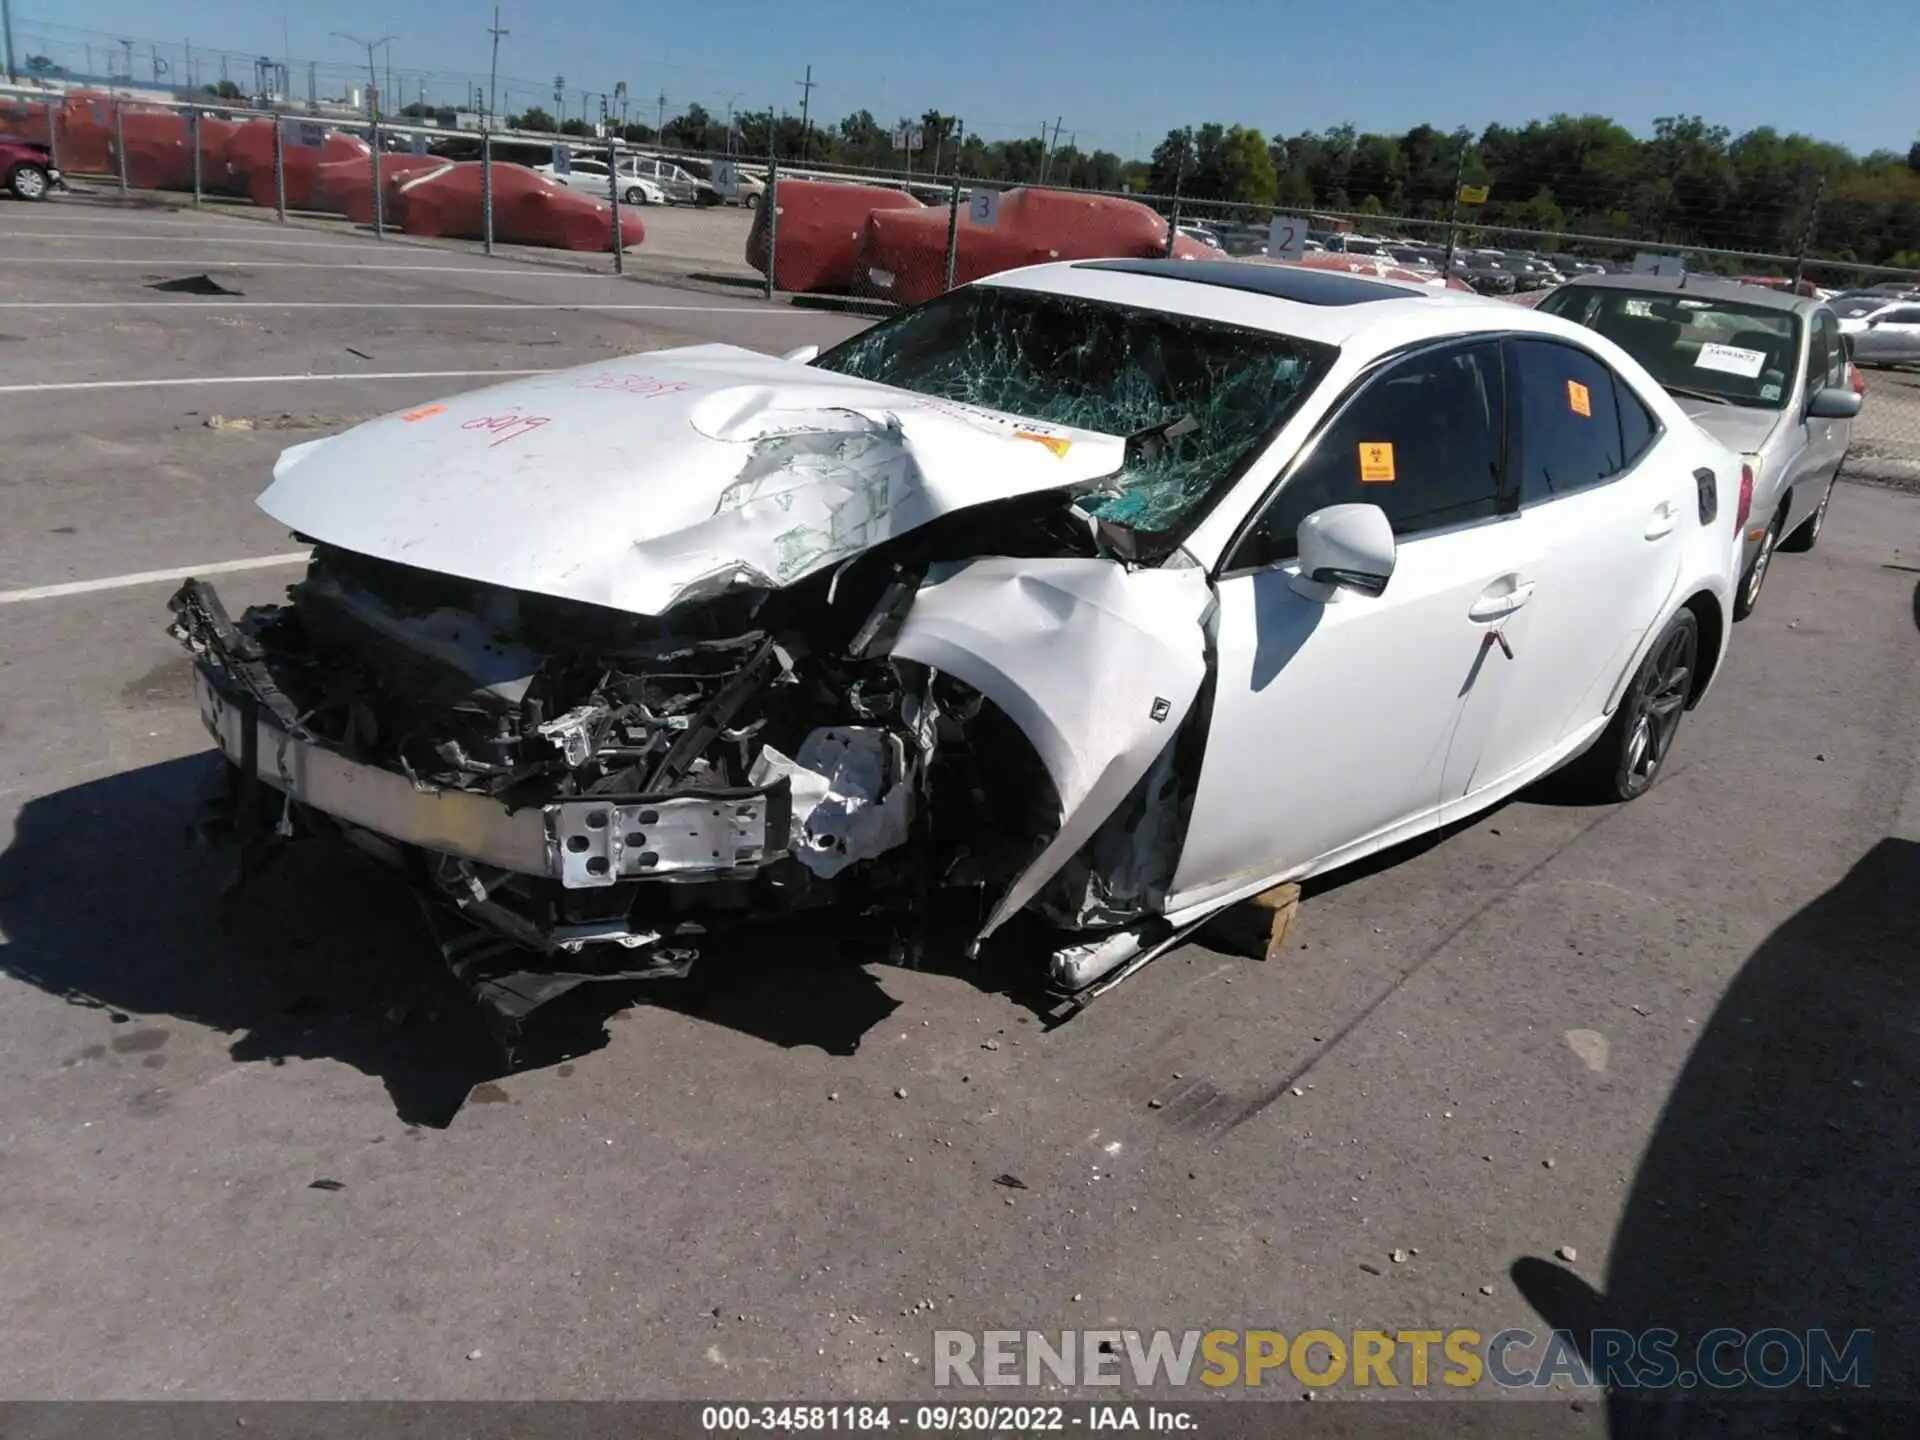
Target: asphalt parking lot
x,y
1675,1042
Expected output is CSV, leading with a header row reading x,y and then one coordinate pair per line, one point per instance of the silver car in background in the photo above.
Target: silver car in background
x,y
1888,334
1766,374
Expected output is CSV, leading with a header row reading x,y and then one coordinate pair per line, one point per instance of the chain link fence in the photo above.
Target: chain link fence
x,y
876,238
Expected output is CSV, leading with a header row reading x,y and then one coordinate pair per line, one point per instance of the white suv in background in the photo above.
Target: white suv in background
x,y
591,177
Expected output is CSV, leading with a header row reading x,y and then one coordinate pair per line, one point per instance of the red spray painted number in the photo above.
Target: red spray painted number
x,y
510,426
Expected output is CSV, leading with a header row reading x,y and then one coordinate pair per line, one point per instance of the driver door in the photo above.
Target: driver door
x,y
1335,712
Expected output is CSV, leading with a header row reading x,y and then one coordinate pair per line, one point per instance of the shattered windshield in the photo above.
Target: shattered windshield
x,y
1203,398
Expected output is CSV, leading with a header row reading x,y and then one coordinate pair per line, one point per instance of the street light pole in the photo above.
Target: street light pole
x,y
373,74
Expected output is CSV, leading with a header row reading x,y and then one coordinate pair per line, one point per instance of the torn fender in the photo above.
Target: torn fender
x,y
1096,664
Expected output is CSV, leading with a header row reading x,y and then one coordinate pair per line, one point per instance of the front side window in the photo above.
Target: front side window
x,y
1827,333
1569,421
1695,346
1422,441
1215,393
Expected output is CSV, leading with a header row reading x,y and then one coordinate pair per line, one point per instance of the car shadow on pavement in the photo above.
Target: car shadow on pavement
x,y
107,900
1782,1185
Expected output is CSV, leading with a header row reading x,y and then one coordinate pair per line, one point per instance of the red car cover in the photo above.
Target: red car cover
x,y
905,254
345,187
159,156
85,123
820,232
528,209
29,119
1378,269
250,162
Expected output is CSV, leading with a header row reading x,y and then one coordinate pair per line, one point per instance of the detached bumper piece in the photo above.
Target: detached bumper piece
x,y
701,835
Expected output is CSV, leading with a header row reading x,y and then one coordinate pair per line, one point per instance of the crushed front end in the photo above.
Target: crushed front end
x,y
581,793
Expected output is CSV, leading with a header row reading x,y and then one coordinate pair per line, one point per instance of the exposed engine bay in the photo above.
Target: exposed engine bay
x,y
732,760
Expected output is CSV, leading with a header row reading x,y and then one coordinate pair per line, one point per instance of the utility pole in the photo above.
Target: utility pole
x,y
806,124
1807,233
493,74
660,123
193,80
559,99
6,23
1453,214
1046,149
620,99
127,45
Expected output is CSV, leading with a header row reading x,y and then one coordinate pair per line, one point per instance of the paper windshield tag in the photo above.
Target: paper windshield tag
x,y
1769,392
1376,463
1578,400
1731,360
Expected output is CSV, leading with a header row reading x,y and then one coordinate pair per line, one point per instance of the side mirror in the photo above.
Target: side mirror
x,y
1349,545
1873,324
802,356
1833,402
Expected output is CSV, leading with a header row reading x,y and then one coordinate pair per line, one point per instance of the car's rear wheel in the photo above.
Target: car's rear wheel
x,y
1808,535
28,182
752,202
1756,576
635,196
1627,758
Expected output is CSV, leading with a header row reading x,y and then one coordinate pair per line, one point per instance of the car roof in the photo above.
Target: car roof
x,y
1287,300
1706,286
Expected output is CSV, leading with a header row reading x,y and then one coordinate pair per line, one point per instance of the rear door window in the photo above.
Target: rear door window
x,y
1569,429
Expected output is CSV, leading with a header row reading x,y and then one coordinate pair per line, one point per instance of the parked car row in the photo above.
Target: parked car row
x,y
1045,589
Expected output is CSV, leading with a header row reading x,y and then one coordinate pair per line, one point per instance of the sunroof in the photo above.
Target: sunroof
x,y
1282,282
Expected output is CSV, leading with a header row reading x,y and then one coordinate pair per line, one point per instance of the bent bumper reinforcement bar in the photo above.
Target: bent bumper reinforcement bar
x,y
682,836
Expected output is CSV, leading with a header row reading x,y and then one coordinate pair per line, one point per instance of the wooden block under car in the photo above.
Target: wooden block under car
x,y
1255,928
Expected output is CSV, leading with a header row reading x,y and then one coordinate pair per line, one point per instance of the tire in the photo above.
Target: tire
x,y
634,197
29,182
752,202
1808,535
1631,752
1755,575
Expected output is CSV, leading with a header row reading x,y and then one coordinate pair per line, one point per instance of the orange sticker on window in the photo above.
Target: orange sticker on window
x,y
1578,400
1376,463
425,412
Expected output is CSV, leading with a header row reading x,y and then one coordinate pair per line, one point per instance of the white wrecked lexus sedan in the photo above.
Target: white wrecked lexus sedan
x,y
1115,591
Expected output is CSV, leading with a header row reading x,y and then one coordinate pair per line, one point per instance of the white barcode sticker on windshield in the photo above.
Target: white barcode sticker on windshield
x,y
1731,360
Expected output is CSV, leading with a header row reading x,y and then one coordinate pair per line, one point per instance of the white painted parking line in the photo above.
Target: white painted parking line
x,y
51,387
150,577
768,312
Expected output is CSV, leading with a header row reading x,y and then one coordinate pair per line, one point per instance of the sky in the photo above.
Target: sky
x,y
1117,74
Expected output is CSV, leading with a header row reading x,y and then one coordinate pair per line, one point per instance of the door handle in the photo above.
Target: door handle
x,y
1661,522
1495,603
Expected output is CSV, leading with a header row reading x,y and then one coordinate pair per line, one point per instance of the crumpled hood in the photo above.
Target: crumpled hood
x,y
1741,428
641,482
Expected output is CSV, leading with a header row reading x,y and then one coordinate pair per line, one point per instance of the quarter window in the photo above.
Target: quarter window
x,y
1422,441
1570,429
